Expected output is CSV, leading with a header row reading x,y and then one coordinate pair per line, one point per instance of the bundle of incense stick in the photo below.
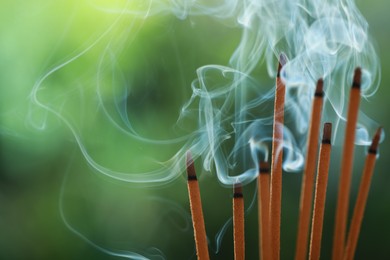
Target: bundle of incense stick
x,y
270,187
340,250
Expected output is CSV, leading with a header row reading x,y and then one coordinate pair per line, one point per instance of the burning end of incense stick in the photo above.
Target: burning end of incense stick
x,y
264,168
319,93
357,78
191,174
237,190
327,134
282,62
375,141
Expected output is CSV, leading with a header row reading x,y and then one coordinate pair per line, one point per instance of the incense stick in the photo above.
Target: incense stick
x,y
346,169
263,202
277,155
362,198
320,193
196,211
238,223
308,175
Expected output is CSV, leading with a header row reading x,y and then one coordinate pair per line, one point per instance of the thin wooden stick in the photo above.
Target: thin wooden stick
x,y
277,155
346,169
238,223
320,194
308,174
263,202
196,211
361,200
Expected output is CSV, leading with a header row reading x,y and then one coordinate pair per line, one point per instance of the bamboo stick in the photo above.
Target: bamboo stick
x,y
196,211
238,223
361,200
263,202
309,173
320,193
277,155
346,169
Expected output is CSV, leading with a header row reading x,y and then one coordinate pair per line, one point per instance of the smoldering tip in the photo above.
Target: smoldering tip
x,y
282,61
357,78
264,168
375,141
327,133
237,191
191,173
319,88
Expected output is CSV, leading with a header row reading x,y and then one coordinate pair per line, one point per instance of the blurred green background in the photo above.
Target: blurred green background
x,y
53,205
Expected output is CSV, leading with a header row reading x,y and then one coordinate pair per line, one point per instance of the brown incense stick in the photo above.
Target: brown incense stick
x,y
320,193
308,175
263,202
277,155
196,211
238,223
362,198
346,169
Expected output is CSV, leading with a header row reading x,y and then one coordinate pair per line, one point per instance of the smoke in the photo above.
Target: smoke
x,y
227,120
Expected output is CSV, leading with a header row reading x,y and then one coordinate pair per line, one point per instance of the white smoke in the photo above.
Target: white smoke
x,y
232,108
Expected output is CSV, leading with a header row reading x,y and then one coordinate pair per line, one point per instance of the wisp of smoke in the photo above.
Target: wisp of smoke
x,y
229,110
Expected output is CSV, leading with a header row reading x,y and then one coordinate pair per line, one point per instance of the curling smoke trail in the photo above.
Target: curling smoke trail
x,y
322,39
